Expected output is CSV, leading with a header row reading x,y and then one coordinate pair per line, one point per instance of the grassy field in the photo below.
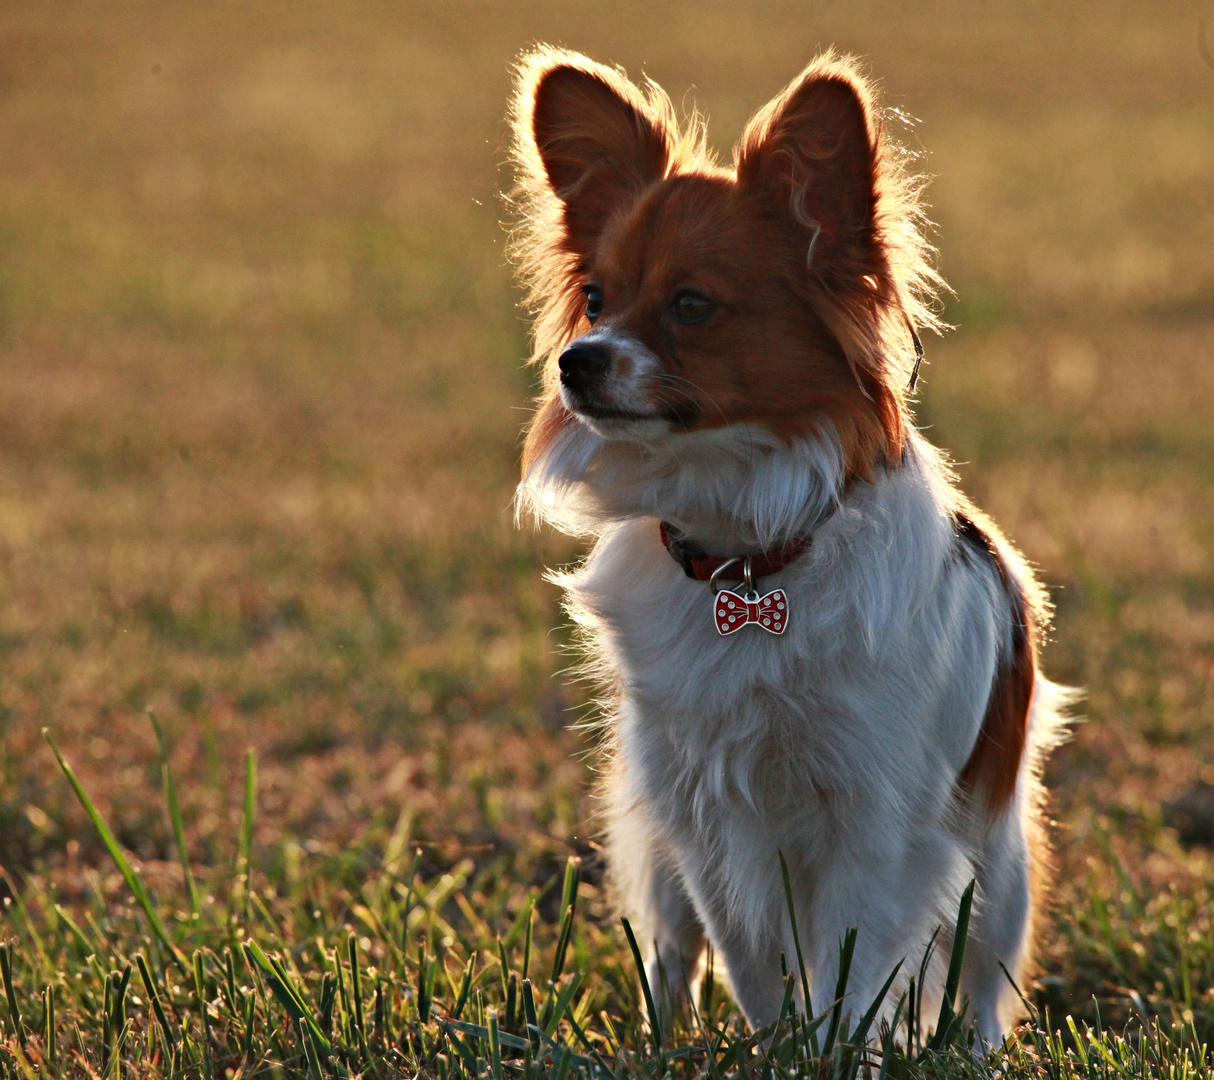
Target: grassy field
x,y
260,405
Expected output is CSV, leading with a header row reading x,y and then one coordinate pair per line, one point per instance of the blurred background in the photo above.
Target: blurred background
x,y
261,394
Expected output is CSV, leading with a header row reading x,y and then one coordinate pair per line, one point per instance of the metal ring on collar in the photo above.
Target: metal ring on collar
x,y
747,574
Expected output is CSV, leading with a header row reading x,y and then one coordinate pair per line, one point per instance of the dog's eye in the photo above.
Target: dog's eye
x,y
594,301
692,308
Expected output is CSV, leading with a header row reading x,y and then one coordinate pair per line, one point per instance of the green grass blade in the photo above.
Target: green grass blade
x,y
328,998
495,1047
707,981
14,1013
81,937
121,983
288,997
581,1037
356,992
847,949
250,1016
529,1013
162,1019
394,854
518,926
948,1005
18,900
527,945
133,881
515,1042
503,961
425,984
914,1013
787,1008
562,1002
796,938
739,1051
655,1024
465,988
892,1041
170,794
244,855
573,878
204,1015
228,985
310,1050
866,1021
461,1047
561,1065
1080,1049
48,1027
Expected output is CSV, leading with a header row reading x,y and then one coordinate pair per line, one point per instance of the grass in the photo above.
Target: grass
x,y
366,965
260,397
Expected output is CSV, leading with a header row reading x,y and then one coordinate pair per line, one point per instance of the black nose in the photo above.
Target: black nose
x,y
582,363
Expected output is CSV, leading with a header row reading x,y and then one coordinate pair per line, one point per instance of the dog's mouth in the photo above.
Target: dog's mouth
x,y
594,410
682,415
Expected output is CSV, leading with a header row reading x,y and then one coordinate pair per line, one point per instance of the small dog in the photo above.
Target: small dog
x,y
728,355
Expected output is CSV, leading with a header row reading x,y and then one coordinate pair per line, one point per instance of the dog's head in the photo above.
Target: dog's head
x,y
677,296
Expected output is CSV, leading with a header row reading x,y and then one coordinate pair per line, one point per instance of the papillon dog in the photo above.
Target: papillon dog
x,y
817,649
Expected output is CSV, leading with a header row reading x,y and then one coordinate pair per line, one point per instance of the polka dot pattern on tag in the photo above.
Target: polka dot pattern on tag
x,y
732,612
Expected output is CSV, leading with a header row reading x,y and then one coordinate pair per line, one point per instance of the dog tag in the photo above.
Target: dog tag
x,y
732,611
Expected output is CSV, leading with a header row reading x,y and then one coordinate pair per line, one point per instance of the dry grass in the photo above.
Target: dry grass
x,y
260,399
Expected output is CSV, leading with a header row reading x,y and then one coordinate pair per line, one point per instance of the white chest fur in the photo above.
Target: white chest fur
x,y
837,744
890,648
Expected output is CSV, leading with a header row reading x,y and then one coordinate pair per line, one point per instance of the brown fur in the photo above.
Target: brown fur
x,y
994,763
613,191
990,773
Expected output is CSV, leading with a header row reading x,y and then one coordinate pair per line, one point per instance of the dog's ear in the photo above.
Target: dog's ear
x,y
812,152
597,138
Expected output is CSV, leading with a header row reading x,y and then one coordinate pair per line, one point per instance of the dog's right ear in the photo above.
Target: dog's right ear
x,y
597,139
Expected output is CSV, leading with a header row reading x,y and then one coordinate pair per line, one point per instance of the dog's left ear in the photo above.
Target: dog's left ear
x,y
812,154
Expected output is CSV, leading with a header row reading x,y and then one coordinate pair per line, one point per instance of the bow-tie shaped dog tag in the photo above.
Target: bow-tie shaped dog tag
x,y
731,611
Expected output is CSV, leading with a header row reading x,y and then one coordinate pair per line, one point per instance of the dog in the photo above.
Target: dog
x,y
818,650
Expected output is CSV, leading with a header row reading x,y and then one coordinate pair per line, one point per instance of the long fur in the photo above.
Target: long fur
x,y
889,743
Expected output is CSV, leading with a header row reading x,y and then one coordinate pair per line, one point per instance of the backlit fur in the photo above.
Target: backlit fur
x,y
889,743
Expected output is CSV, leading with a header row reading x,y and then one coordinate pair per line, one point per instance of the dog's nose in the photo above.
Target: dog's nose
x,y
582,363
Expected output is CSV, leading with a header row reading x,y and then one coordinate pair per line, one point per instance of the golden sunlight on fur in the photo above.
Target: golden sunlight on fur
x,y
727,361
862,221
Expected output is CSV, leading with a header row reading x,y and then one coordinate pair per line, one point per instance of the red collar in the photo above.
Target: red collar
x,y
700,566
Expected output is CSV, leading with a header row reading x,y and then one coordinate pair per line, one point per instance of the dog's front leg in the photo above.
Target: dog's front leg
x,y
755,976
678,941
654,898
881,907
